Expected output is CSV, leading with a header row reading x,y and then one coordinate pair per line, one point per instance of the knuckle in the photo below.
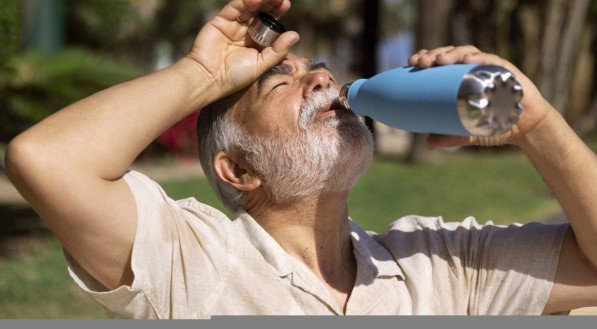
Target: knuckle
x,y
473,48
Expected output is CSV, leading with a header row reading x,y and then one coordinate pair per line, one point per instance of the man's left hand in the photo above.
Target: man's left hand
x,y
535,107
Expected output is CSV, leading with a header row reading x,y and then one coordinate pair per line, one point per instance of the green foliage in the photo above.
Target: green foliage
x,y
178,22
98,23
397,15
133,30
10,29
35,85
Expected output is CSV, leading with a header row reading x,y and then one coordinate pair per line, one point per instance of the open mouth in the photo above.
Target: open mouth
x,y
330,109
335,105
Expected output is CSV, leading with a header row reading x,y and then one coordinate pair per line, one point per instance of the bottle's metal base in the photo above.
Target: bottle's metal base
x,y
489,100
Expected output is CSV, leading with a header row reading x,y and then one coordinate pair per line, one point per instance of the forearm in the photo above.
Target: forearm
x,y
569,168
101,135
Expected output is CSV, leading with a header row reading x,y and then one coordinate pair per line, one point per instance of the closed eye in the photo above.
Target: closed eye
x,y
279,85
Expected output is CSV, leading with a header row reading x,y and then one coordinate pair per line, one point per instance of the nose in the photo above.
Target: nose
x,y
315,81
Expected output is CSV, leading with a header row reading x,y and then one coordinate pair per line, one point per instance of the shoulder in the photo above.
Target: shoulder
x,y
422,230
149,194
415,222
186,221
432,235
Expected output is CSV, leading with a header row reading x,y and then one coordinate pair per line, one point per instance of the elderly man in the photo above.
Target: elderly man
x,y
280,151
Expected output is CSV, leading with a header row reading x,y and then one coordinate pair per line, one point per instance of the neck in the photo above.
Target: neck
x,y
314,230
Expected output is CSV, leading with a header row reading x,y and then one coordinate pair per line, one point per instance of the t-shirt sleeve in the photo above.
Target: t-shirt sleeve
x,y
468,268
179,257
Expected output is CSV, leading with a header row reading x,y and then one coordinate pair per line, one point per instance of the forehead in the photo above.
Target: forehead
x,y
261,114
288,66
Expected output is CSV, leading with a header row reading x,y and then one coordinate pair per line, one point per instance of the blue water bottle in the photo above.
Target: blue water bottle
x,y
458,99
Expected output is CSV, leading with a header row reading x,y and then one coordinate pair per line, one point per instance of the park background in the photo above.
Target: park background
x,y
54,52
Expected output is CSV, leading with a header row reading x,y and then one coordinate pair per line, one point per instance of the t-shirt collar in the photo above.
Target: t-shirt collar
x,y
269,248
369,253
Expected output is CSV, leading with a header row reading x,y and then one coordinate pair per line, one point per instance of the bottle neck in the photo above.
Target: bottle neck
x,y
343,97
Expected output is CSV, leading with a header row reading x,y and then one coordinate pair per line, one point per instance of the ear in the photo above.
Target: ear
x,y
234,174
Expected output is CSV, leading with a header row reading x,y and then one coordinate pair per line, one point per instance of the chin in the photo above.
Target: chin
x,y
355,152
329,157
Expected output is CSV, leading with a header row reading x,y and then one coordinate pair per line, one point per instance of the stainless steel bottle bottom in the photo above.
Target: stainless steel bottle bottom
x,y
489,100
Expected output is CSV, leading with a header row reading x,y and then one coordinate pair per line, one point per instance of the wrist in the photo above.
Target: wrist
x,y
551,133
201,88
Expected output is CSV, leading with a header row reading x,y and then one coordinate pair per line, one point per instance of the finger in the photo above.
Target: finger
x,y
243,10
456,55
239,10
412,60
430,58
275,53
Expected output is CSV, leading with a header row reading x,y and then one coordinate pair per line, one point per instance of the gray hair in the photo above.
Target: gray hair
x,y
217,131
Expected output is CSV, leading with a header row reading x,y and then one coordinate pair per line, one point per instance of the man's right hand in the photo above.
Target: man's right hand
x,y
227,54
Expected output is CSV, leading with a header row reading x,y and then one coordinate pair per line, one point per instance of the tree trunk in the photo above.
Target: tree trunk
x,y
432,30
433,23
564,23
581,110
530,23
480,22
369,40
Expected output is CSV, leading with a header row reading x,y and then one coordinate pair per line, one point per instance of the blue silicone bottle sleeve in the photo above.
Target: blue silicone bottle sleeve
x,y
412,98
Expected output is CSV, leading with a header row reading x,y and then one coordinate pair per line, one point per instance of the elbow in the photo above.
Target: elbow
x,y
18,158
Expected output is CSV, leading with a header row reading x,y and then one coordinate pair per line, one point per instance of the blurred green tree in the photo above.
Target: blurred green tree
x,y
34,85
10,30
134,31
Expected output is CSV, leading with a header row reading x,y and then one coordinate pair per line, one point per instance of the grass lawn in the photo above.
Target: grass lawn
x,y
502,187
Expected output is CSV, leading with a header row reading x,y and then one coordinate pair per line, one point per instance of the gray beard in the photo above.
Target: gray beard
x,y
325,157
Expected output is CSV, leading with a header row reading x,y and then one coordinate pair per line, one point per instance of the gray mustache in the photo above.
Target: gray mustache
x,y
316,101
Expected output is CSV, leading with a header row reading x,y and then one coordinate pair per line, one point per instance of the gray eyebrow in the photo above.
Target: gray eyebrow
x,y
285,69
313,65
280,69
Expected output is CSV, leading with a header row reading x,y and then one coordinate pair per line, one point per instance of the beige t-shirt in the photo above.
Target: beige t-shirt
x,y
191,261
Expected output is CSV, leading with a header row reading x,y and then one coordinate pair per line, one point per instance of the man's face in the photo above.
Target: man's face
x,y
301,140
272,105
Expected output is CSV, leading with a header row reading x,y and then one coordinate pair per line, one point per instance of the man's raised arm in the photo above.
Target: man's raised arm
x,y
568,166
70,166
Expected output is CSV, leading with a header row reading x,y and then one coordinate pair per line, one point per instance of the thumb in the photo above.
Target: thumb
x,y
276,52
